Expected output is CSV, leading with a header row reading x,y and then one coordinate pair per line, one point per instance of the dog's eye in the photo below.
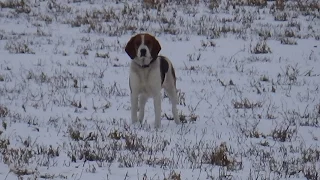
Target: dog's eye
x,y
147,42
138,43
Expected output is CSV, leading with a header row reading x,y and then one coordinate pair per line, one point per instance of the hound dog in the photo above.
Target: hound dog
x,y
149,73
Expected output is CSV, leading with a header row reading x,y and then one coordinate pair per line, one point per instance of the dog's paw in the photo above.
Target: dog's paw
x,y
177,121
157,125
140,121
134,121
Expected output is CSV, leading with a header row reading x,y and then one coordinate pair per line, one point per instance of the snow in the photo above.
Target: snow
x,y
46,108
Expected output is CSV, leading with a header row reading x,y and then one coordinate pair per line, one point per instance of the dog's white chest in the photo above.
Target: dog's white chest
x,y
147,83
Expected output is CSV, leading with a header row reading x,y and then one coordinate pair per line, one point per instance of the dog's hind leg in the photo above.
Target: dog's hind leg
x,y
172,94
134,108
157,109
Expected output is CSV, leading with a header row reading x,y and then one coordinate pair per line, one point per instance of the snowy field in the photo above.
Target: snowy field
x,y
248,75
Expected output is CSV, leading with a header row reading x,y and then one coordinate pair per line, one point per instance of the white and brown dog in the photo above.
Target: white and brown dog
x,y
149,73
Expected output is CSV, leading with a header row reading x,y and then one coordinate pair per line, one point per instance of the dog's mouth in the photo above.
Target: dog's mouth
x,y
144,61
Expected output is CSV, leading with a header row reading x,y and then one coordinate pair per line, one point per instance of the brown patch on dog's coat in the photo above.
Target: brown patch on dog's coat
x,y
131,47
164,67
152,44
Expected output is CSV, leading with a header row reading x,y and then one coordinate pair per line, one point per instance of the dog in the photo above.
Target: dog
x,y
149,73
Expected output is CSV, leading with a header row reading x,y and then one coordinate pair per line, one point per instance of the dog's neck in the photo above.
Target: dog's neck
x,y
148,65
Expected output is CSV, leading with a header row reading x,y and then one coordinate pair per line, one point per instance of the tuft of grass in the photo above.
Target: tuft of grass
x,y
221,156
102,55
288,41
19,47
117,135
289,33
283,134
280,5
261,48
256,58
4,111
246,104
280,16
260,3
4,143
173,175
74,134
311,173
214,5
153,4
20,6
134,143
264,78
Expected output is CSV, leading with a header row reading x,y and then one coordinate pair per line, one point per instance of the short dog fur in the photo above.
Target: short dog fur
x,y
149,73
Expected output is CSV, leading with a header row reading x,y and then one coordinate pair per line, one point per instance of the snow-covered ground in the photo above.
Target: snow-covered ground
x,y
248,80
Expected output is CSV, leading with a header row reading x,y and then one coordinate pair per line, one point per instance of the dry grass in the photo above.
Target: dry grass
x,y
230,92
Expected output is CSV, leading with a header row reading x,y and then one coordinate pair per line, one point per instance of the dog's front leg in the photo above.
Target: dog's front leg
x,y
172,93
142,103
134,95
157,109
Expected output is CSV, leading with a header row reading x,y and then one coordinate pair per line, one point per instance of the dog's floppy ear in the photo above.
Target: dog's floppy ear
x,y
130,49
155,48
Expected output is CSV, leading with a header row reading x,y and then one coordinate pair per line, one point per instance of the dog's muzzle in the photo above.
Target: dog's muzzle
x,y
143,52
148,65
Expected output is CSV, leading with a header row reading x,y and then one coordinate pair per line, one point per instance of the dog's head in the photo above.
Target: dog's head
x,y
143,48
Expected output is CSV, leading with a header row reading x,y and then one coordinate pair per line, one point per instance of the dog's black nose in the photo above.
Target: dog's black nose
x,y
143,52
